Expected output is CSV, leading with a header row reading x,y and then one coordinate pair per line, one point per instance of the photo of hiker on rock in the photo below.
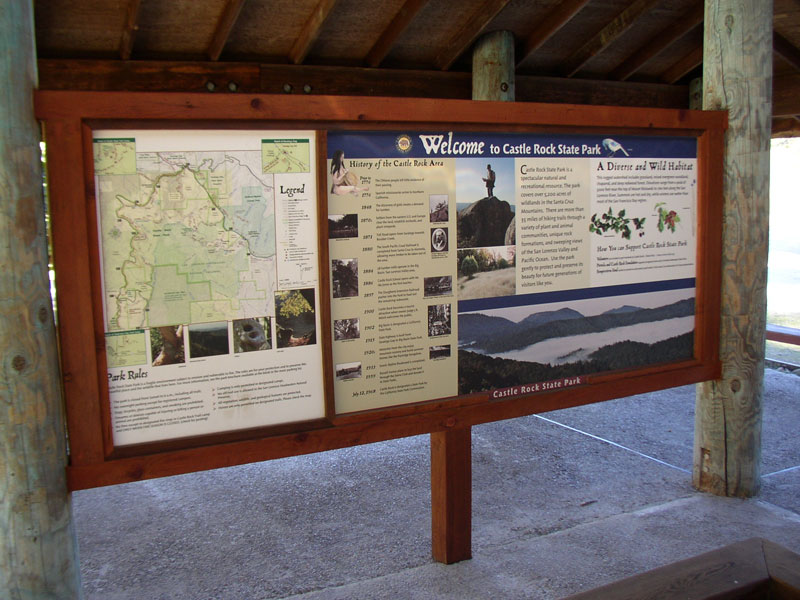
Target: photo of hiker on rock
x,y
485,221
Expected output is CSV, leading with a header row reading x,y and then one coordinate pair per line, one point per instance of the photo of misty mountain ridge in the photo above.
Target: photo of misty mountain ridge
x,y
519,345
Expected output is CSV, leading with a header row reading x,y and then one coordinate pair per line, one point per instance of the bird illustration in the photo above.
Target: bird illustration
x,y
613,146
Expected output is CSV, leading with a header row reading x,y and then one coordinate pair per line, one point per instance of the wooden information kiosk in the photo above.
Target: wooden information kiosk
x,y
242,278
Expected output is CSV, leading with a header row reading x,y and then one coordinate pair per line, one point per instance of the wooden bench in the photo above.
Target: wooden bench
x,y
755,568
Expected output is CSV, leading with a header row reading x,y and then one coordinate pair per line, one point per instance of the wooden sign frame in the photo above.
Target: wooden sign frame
x,y
69,119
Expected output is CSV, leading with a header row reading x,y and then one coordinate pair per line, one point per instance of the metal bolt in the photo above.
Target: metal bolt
x,y
233,86
504,87
18,363
211,86
307,89
287,88
736,385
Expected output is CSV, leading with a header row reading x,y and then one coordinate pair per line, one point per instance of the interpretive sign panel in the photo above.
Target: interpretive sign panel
x,y
209,278
253,277
511,263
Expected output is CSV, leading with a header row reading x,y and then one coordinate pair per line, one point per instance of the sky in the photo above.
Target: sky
x,y
783,276
469,183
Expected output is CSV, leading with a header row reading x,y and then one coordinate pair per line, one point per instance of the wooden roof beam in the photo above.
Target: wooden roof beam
x,y
395,29
224,27
550,25
607,36
310,32
786,50
683,66
786,127
688,21
252,78
129,30
469,32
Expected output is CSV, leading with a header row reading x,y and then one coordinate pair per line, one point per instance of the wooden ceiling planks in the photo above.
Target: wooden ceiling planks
x,y
395,29
598,41
610,33
89,28
683,66
786,50
310,31
669,35
469,32
551,24
176,29
224,26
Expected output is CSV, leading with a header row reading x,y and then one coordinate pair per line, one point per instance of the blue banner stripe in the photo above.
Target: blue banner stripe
x,y
579,294
467,144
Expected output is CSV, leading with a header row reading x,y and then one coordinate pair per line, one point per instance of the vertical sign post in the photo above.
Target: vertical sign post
x,y
38,558
737,75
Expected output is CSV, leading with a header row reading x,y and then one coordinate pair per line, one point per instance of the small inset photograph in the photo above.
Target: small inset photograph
x,y
439,208
167,345
345,371
342,226
486,203
437,352
439,320
438,286
487,272
346,329
250,335
439,239
345,277
208,339
295,318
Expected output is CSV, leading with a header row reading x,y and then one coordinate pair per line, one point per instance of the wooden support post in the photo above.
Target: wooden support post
x,y
451,451
737,75
451,494
493,67
38,558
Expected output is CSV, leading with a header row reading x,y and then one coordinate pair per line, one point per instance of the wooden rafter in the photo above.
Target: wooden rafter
x,y
785,127
688,21
129,30
683,66
310,32
224,26
786,50
469,33
549,26
606,36
395,29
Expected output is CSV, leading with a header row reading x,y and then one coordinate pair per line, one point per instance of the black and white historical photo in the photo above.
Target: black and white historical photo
x,y
345,277
439,320
343,226
346,329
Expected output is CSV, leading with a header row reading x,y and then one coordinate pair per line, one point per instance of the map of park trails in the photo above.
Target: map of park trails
x,y
285,156
186,236
126,348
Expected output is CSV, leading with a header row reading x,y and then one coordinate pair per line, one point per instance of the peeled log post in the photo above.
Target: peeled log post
x,y
492,73
38,558
737,76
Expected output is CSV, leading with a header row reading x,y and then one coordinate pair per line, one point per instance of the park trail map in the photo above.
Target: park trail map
x,y
188,236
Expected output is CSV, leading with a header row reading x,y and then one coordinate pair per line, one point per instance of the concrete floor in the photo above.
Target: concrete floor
x,y
562,502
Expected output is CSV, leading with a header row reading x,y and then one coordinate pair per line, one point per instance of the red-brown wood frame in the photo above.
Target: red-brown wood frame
x,y
70,117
